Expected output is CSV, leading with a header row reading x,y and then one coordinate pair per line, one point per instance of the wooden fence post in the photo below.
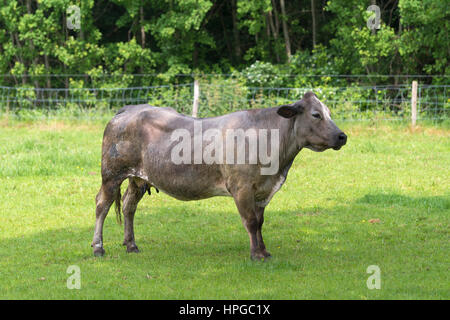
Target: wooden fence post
x,y
414,103
196,96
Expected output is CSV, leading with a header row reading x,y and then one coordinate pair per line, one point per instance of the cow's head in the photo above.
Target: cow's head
x,y
313,127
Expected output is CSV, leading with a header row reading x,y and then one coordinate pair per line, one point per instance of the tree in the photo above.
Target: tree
x,y
313,23
285,31
185,36
424,37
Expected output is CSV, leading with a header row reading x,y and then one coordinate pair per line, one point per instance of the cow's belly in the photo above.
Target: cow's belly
x,y
185,182
182,194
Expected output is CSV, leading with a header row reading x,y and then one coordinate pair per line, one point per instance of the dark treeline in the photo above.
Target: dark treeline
x,y
259,37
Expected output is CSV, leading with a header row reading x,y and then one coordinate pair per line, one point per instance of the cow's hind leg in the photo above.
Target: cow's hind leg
x,y
109,192
134,193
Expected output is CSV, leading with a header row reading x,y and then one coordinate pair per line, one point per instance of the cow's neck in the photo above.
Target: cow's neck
x,y
288,143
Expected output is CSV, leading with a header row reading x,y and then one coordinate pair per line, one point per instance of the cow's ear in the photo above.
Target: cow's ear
x,y
287,111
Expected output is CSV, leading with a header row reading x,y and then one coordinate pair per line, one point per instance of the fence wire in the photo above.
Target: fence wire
x,y
346,103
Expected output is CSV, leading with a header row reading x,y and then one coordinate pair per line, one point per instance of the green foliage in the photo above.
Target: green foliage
x,y
319,62
174,37
262,74
425,37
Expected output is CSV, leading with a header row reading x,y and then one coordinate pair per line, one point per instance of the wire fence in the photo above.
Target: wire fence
x,y
351,103
345,103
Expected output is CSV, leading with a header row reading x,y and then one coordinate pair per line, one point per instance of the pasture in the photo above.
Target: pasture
x,y
383,199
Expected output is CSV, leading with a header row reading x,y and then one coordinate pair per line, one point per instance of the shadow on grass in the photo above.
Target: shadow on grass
x,y
386,200
182,232
183,250
172,238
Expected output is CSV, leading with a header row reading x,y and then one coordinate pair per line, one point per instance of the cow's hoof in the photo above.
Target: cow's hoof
x,y
132,249
261,256
99,252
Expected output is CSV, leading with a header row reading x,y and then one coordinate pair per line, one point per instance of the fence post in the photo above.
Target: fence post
x,y
196,96
414,103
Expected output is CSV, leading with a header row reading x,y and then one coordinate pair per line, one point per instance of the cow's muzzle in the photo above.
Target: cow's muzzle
x,y
340,141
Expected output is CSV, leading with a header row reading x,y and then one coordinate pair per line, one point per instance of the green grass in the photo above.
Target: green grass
x,y
319,227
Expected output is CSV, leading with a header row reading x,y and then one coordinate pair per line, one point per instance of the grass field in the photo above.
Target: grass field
x,y
383,200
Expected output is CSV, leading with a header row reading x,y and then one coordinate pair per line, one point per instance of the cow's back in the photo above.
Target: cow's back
x,y
139,140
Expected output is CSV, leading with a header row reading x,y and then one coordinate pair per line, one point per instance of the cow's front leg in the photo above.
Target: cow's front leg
x,y
260,219
252,218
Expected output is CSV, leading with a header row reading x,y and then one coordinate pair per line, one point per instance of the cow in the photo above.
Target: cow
x,y
144,144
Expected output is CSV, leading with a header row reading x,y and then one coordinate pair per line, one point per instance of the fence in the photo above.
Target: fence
x,y
349,103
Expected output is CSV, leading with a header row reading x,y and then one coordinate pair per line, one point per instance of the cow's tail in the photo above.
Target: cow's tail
x,y
117,203
118,199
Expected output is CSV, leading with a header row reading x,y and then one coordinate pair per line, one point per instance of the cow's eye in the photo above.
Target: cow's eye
x,y
316,115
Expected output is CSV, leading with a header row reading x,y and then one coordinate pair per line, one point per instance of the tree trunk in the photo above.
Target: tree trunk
x,y
275,13
66,36
285,31
47,68
313,16
141,22
35,60
225,36
141,12
195,56
270,46
18,54
237,40
275,34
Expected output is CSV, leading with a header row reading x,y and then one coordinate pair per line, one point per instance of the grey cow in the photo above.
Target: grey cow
x,y
139,144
